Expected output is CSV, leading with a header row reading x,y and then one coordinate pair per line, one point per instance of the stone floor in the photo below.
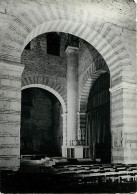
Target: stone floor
x,y
68,176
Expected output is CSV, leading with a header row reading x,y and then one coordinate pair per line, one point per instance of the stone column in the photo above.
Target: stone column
x,y
124,123
10,109
72,94
74,147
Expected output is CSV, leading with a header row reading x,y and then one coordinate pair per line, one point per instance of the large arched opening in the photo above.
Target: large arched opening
x,y
41,123
98,119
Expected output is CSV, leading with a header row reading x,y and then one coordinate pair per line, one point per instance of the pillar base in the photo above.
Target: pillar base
x,y
10,163
75,151
124,155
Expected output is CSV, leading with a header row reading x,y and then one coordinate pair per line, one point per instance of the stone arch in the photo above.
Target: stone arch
x,y
113,50
59,97
90,76
25,26
46,82
86,89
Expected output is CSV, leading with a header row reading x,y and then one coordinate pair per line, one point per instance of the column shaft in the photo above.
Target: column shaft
x,y
74,147
72,95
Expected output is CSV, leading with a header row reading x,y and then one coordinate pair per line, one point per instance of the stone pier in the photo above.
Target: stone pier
x,y
124,123
10,110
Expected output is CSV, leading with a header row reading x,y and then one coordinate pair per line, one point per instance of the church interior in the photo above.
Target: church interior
x,y
68,110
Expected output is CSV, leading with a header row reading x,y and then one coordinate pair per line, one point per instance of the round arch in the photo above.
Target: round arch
x,y
25,26
112,49
86,89
50,90
98,118
92,73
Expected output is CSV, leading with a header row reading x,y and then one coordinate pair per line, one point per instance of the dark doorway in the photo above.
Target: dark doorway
x,y
41,123
98,119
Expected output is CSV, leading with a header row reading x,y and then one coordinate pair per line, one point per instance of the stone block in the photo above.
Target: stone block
x,y
9,162
9,140
5,82
14,117
10,151
16,84
10,94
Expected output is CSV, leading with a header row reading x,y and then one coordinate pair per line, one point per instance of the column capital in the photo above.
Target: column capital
x,y
124,85
71,49
8,65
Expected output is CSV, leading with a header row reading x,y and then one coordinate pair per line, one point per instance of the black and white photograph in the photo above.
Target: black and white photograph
x,y
68,96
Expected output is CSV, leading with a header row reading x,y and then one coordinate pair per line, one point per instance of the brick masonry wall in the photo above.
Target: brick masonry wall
x,y
41,68
39,64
